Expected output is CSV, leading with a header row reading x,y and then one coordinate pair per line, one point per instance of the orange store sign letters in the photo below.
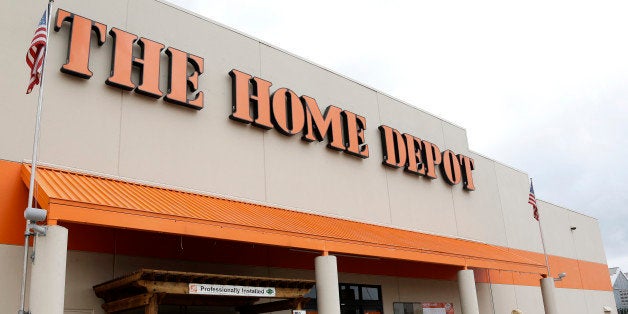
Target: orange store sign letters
x,y
253,103
179,80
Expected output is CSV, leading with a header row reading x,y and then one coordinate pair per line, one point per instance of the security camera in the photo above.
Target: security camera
x,y
35,214
560,276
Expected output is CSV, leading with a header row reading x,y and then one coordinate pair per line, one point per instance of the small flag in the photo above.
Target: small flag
x,y
532,201
35,54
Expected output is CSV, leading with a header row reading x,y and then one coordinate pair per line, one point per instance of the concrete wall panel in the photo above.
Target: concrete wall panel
x,y
598,300
455,138
504,298
519,223
529,299
310,176
587,238
83,271
17,120
417,122
485,300
76,131
478,213
416,202
572,301
174,145
81,120
11,258
556,230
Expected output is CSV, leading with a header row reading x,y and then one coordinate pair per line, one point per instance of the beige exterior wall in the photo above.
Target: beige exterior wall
x,y
89,126
584,301
11,274
583,243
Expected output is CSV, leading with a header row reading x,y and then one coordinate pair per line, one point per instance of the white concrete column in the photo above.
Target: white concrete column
x,y
47,288
549,296
468,294
327,294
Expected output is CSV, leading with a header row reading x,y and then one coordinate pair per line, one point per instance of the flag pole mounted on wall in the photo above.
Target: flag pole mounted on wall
x,y
535,213
35,59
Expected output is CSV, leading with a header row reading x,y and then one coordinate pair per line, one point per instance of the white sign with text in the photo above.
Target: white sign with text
x,y
239,291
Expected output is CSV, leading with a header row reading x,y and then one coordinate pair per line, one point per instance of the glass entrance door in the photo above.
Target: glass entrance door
x,y
354,299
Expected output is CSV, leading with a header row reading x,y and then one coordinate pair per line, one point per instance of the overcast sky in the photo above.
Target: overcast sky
x,y
538,85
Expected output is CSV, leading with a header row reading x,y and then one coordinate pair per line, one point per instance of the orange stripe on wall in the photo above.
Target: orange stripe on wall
x,y
580,275
13,195
594,276
571,268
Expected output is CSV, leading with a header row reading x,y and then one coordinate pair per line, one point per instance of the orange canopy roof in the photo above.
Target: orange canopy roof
x,y
90,199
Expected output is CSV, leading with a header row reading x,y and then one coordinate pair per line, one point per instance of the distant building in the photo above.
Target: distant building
x,y
620,288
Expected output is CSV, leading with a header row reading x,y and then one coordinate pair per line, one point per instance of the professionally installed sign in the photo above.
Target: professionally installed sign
x,y
235,291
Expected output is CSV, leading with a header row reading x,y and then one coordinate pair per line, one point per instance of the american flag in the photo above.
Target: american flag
x,y
35,54
532,201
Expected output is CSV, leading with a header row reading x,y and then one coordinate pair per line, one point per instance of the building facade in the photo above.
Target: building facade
x,y
620,289
175,151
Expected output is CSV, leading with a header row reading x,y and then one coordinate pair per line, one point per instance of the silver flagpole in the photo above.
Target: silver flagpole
x,y
544,251
542,239
31,186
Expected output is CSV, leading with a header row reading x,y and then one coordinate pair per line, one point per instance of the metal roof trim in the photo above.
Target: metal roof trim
x,y
65,189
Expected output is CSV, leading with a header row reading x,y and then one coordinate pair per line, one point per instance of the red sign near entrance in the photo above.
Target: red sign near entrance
x,y
438,308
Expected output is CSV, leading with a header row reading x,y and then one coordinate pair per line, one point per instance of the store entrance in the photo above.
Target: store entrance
x,y
170,292
354,299
360,299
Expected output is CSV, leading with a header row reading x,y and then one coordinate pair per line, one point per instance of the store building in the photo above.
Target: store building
x,y
190,168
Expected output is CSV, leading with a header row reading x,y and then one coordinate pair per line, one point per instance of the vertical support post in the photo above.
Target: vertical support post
x,y
153,305
549,295
468,293
47,288
327,294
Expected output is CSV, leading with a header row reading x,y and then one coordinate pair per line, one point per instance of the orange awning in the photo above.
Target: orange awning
x,y
90,199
